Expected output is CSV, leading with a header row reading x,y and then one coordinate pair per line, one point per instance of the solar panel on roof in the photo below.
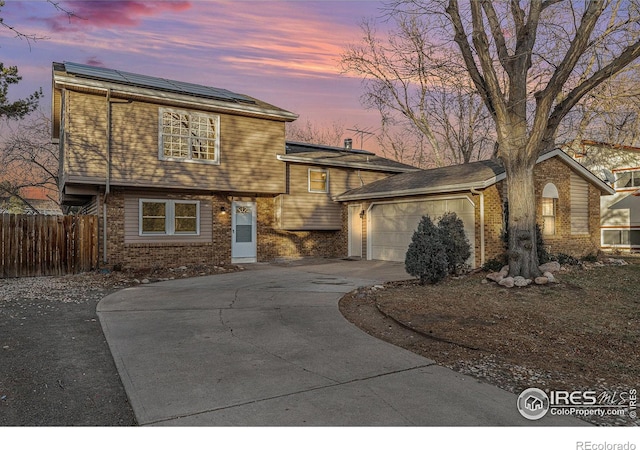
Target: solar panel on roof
x,y
146,81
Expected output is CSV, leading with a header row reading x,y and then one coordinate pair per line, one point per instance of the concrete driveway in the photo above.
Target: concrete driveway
x,y
268,346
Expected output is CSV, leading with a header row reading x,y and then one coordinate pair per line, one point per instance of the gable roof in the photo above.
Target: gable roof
x,y
462,177
132,85
324,155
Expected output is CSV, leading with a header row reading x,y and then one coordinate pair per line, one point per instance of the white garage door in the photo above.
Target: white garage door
x,y
392,225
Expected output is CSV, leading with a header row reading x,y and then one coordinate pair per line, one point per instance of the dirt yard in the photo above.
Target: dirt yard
x,y
582,333
56,367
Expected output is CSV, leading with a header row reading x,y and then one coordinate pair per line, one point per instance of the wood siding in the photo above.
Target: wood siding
x,y
304,210
131,221
579,205
37,245
248,149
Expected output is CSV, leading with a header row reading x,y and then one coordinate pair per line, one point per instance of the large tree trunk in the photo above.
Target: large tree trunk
x,y
522,252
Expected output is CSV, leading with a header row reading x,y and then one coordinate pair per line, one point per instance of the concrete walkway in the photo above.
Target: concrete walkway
x,y
268,346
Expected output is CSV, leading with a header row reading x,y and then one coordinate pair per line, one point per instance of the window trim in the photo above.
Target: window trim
x,y
550,192
326,181
635,174
170,217
620,230
189,159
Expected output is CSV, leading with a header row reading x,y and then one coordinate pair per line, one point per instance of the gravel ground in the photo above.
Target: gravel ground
x,y
56,367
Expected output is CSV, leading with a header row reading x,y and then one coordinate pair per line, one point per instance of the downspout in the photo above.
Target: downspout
x,y
481,194
107,186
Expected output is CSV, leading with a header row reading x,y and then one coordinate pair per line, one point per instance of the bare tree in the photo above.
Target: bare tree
x,y
531,63
431,114
29,159
315,133
609,114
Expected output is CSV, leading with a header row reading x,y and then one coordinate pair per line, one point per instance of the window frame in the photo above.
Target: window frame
x,y
621,232
170,217
326,180
635,178
189,158
545,217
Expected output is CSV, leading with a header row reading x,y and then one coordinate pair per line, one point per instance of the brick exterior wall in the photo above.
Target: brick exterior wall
x,y
555,171
159,254
493,223
272,243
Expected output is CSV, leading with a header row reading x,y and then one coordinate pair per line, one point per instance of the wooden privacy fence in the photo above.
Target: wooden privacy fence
x,y
35,245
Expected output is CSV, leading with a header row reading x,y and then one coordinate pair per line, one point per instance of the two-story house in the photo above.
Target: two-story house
x,y
619,165
180,173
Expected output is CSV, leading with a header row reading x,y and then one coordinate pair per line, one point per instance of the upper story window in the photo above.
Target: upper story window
x,y
628,180
318,180
189,136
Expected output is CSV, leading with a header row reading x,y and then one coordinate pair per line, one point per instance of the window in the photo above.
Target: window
x,y
187,136
169,217
549,200
628,180
318,180
627,238
549,216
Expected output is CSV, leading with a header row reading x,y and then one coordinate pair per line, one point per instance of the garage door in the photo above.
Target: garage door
x,y
392,225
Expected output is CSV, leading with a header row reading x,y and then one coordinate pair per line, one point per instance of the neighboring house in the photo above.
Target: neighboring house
x,y
567,197
619,165
187,174
33,200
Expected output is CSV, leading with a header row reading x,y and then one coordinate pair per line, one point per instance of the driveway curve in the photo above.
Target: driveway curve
x,y
268,346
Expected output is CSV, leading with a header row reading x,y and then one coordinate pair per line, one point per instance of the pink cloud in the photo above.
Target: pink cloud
x,y
94,61
105,14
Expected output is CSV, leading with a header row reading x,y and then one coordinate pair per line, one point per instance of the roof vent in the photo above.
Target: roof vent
x,y
348,144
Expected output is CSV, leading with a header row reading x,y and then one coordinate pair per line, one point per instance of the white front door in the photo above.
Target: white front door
x,y
355,231
243,232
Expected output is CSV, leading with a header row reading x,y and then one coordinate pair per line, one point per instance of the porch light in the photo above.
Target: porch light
x,y
223,210
362,214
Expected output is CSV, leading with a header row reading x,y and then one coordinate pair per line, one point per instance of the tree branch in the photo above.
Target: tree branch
x,y
460,38
576,94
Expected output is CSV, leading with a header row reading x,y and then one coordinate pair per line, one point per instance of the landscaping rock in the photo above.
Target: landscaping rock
x,y
541,280
504,271
551,266
617,262
145,281
495,276
549,276
507,282
521,281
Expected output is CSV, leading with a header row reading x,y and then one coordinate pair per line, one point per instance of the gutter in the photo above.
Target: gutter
x,y
330,163
107,186
420,191
481,194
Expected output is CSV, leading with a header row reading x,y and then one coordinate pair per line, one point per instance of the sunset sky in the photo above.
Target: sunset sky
x,y
282,52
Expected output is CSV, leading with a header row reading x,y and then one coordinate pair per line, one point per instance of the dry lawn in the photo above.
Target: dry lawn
x,y
581,333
